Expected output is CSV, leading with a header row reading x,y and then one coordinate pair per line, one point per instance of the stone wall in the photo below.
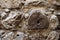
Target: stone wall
x,y
29,19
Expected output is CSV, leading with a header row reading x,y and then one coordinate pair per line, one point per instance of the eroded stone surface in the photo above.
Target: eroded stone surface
x,y
10,3
9,21
53,36
16,16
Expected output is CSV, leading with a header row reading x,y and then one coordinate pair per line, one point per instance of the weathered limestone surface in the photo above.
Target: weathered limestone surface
x,y
29,19
10,3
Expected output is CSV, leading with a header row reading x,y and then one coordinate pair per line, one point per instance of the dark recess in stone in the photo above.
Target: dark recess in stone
x,y
58,18
58,27
59,37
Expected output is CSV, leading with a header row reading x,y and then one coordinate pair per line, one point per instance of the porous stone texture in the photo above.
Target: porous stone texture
x,y
10,3
53,36
29,19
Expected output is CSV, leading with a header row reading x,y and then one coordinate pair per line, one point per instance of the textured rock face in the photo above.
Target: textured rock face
x,y
9,22
37,21
29,19
10,3
53,36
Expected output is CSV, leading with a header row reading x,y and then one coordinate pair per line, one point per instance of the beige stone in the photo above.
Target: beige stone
x,y
10,3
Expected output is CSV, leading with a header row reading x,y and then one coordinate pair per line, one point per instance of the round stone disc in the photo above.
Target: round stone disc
x,y
38,21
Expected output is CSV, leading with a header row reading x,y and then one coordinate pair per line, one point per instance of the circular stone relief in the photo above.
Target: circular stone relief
x,y
37,21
